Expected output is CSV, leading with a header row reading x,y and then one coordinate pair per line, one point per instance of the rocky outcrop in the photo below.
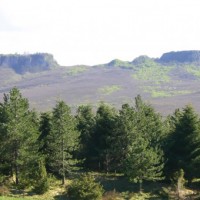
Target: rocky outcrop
x,y
181,57
28,62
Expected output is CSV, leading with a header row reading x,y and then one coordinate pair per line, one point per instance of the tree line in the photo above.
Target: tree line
x,y
134,140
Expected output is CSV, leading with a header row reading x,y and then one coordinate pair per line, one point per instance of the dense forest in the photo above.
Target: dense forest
x,y
134,141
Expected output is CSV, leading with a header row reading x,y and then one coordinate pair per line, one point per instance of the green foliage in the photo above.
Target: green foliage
x,y
140,196
63,140
162,93
124,132
158,91
148,123
86,125
144,61
153,72
18,135
112,195
143,162
107,90
144,159
131,140
103,136
4,190
178,180
120,63
85,188
45,126
164,193
76,70
42,183
194,70
184,143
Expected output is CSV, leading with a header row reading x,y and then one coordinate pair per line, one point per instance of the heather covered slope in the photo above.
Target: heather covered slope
x,y
167,82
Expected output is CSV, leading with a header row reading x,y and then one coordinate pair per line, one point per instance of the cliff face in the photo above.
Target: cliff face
x,y
28,63
181,57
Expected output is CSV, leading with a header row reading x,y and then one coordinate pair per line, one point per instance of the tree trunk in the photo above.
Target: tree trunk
x,y
63,163
99,165
107,163
16,168
140,186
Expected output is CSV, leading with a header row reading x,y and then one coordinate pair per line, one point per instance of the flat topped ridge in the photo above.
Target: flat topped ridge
x,y
38,62
28,62
192,56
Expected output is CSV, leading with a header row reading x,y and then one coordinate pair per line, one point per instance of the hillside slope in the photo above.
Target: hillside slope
x,y
167,83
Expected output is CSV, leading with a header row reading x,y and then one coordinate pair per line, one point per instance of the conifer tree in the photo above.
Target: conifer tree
x,y
43,139
63,140
144,159
124,132
19,133
148,122
143,162
104,132
42,184
86,124
184,142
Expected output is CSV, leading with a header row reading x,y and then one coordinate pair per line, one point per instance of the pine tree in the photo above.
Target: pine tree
x,y
86,124
172,121
63,140
103,136
42,184
85,188
149,123
144,159
19,134
43,139
124,132
143,162
184,142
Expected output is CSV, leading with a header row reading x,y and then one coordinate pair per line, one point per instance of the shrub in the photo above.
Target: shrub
x,y
164,193
85,188
4,191
42,185
112,195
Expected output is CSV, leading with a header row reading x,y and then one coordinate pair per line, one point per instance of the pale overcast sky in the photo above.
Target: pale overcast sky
x,y
97,31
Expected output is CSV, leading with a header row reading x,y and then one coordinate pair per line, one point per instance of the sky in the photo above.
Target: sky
x,y
97,31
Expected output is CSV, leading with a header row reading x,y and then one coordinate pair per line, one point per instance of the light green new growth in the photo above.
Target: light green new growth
x,y
158,92
107,90
154,73
194,70
76,70
119,63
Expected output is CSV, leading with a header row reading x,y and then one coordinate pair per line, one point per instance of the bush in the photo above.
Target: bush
x,y
112,195
85,188
4,179
42,185
164,193
4,191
